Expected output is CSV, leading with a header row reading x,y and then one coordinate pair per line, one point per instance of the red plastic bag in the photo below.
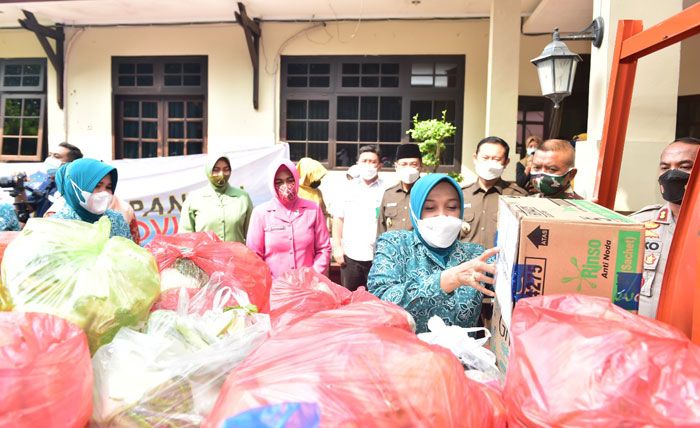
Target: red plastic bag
x,y
582,361
5,239
45,372
359,377
213,296
241,267
301,293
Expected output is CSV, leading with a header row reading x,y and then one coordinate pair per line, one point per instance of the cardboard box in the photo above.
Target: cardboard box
x,y
559,246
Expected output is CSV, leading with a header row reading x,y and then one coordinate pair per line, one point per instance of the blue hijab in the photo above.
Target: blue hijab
x,y
82,174
419,193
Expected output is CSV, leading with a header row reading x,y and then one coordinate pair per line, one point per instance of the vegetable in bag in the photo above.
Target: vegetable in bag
x,y
364,375
74,270
45,372
185,259
581,361
171,374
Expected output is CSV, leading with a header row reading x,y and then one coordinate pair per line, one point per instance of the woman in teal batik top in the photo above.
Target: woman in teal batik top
x,y
428,271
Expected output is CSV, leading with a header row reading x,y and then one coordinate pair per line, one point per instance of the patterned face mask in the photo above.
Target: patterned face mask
x,y
549,184
286,192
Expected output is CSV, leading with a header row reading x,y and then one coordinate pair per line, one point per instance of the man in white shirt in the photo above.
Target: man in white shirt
x,y
355,221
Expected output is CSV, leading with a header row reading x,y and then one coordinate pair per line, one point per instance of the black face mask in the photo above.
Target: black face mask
x,y
673,183
315,184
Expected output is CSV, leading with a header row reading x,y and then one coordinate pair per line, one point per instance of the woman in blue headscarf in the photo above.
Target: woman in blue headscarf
x,y
88,185
428,271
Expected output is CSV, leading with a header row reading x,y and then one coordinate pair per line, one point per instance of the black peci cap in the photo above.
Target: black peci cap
x,y
408,150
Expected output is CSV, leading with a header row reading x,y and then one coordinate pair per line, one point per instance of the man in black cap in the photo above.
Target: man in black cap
x,y
393,211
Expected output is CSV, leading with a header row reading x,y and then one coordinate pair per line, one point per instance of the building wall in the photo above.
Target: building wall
x,y
689,82
20,43
232,121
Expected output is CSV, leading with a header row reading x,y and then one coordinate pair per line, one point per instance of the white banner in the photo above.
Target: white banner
x,y
156,187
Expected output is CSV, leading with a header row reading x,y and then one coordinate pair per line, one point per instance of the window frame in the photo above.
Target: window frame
x,y
41,87
159,93
23,92
159,87
404,90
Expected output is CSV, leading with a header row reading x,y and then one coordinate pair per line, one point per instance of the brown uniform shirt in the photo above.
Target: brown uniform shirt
x,y
394,213
481,211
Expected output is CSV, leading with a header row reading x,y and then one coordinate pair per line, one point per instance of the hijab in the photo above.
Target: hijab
x,y
209,166
419,193
83,175
273,172
311,171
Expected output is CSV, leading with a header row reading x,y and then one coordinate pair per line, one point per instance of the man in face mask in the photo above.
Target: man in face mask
x,y
62,154
355,221
481,197
676,163
553,171
394,211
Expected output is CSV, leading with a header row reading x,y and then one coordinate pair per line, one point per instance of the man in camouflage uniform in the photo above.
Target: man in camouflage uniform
x,y
675,166
553,170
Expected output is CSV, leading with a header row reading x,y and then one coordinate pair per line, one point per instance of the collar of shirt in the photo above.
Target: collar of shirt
x,y
498,187
399,189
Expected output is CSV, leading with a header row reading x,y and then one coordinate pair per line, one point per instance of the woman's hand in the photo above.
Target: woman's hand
x,y
471,274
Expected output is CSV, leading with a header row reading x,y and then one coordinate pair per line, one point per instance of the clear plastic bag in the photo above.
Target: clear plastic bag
x,y
201,252
75,270
360,376
45,372
171,374
581,361
479,361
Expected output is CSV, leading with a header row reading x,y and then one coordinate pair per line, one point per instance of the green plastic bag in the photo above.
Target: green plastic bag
x,y
72,269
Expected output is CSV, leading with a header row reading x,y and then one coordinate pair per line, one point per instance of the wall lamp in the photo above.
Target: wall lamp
x,y
556,65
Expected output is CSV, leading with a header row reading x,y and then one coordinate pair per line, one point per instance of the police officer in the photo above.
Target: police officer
x,y
393,211
675,166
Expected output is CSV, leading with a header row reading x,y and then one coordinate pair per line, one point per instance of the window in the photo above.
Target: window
x,y
160,106
688,116
331,106
533,119
22,109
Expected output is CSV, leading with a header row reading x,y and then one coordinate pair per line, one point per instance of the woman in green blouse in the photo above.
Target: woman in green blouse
x,y
218,207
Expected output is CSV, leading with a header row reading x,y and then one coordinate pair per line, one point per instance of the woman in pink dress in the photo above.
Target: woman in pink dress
x,y
289,232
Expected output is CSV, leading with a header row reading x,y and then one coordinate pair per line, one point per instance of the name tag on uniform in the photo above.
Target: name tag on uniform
x,y
274,228
647,281
652,253
391,204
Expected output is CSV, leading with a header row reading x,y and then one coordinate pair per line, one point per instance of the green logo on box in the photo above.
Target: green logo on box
x,y
627,251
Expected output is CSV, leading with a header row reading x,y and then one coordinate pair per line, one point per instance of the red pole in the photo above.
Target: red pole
x,y
680,291
617,110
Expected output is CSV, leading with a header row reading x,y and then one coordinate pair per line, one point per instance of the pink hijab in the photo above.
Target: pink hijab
x,y
293,170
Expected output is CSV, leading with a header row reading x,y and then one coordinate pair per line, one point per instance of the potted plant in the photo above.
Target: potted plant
x,y
430,135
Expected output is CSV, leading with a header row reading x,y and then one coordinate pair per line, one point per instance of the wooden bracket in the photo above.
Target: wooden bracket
x,y
251,29
56,57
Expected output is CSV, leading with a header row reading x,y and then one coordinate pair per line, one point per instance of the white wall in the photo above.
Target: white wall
x,y
232,121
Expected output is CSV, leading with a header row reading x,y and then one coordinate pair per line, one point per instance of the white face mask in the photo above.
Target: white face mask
x,y
439,232
51,163
488,169
96,203
368,172
531,150
408,174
